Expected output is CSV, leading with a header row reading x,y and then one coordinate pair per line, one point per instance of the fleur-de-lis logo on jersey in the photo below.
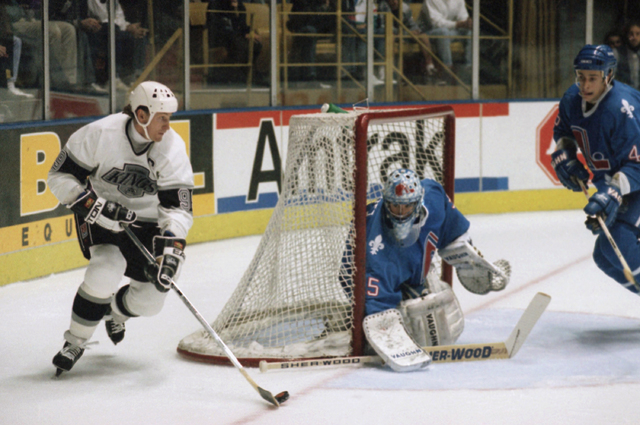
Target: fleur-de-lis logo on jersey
x,y
376,245
627,108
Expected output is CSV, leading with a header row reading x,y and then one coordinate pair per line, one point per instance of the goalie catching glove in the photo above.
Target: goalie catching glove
x,y
475,273
169,252
107,214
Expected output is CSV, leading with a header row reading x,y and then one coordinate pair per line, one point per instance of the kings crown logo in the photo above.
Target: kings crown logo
x,y
133,181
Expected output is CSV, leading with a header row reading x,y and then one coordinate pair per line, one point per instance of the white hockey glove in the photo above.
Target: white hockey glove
x,y
435,318
389,338
169,252
107,214
475,273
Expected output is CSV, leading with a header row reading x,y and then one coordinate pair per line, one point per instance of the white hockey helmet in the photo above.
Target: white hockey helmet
x,y
154,96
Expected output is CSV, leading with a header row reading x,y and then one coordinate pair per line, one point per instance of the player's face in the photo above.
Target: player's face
x,y
400,211
159,126
634,36
592,85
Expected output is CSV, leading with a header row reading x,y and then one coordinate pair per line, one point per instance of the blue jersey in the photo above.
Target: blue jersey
x,y
608,135
389,266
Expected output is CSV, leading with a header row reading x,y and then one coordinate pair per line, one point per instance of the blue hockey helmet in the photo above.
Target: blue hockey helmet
x,y
595,58
404,212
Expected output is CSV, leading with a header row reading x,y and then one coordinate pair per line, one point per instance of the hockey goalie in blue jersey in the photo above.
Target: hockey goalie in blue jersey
x,y
412,221
599,116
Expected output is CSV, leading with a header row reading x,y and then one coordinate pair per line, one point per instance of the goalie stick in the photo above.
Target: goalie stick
x,y
275,400
445,353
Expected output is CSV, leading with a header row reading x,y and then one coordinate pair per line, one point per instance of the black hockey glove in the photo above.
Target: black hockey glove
x,y
107,214
605,202
569,169
169,252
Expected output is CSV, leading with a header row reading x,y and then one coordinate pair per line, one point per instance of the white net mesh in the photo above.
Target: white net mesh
x,y
295,299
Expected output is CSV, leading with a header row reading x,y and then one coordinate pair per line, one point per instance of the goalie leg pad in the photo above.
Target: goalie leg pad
x,y
434,319
475,273
389,338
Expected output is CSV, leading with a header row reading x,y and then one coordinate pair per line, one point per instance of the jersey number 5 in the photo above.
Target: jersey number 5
x,y
372,287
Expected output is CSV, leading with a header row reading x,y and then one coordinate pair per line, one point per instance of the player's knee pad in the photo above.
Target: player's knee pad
x,y
603,260
143,299
434,319
105,271
607,261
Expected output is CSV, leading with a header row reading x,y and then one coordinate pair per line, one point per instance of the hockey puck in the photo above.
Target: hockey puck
x,y
282,397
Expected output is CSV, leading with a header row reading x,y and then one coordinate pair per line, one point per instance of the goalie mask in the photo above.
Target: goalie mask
x,y
155,97
403,212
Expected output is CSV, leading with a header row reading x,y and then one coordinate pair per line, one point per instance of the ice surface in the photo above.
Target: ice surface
x,y
580,364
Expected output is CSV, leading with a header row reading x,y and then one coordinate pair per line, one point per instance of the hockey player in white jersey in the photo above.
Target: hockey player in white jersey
x,y
132,168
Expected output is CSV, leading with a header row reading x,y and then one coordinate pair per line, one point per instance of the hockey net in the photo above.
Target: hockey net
x,y
303,293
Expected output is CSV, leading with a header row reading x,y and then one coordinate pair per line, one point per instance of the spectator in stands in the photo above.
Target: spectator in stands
x,y
426,67
349,38
307,25
446,19
10,49
613,39
10,63
76,13
62,41
228,29
378,39
6,48
131,41
629,59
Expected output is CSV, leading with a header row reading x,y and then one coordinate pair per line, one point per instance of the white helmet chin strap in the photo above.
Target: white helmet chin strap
x,y
144,126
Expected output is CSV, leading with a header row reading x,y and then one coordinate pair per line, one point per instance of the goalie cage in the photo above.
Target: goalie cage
x,y
302,296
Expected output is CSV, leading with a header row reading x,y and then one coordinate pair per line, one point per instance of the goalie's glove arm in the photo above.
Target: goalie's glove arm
x,y
475,273
169,253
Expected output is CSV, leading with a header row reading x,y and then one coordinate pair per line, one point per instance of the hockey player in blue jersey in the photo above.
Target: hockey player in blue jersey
x,y
599,116
412,221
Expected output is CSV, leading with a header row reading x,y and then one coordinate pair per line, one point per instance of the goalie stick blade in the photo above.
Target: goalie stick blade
x,y
526,323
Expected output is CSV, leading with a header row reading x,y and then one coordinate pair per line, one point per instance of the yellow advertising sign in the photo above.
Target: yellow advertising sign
x,y
38,151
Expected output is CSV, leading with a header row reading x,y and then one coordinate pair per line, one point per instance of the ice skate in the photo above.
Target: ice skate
x,y
115,329
67,357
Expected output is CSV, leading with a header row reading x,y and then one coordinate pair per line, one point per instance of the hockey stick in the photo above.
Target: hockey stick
x,y
445,353
275,400
625,267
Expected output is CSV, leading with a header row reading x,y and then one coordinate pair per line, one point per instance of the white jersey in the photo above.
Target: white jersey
x,y
155,180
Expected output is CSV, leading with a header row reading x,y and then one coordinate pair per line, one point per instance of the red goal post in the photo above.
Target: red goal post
x,y
302,296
